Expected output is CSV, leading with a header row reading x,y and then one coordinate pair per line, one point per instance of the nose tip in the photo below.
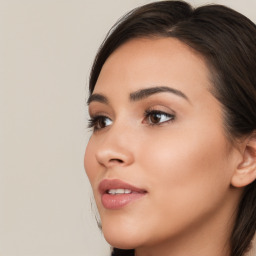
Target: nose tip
x,y
110,157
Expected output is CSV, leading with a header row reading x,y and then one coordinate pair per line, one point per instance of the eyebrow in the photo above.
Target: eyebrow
x,y
144,93
139,95
98,98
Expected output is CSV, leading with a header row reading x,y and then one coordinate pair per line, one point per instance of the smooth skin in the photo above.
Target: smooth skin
x,y
170,143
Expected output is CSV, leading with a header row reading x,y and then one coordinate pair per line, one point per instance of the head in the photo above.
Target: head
x,y
178,121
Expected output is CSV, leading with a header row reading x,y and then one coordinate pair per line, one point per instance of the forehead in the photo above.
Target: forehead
x,y
140,63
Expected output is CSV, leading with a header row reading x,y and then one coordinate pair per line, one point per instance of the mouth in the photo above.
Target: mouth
x,y
116,194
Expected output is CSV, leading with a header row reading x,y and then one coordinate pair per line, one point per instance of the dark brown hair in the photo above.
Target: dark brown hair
x,y
227,41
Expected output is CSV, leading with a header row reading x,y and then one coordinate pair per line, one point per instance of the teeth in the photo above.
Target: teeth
x,y
119,191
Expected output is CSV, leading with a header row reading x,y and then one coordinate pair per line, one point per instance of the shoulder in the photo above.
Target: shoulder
x,y
252,251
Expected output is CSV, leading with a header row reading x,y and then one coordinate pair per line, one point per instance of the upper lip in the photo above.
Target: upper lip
x,y
108,184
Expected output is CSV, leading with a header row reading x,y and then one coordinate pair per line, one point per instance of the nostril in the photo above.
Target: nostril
x,y
115,160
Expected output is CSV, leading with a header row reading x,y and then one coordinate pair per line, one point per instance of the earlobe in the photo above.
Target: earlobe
x,y
245,172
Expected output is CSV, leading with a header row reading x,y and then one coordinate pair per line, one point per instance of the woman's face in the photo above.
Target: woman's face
x,y
158,160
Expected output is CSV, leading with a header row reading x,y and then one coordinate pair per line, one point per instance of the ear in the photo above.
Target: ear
x,y
245,172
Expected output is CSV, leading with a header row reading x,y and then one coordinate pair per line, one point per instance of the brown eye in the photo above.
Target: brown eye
x,y
154,118
99,122
157,117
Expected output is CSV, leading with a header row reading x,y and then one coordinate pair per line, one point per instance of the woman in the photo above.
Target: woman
x,y
172,157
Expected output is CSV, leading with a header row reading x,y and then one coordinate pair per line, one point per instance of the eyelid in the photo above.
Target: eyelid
x,y
96,112
161,109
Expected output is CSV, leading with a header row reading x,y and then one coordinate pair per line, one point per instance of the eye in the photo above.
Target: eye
x,y
155,117
99,122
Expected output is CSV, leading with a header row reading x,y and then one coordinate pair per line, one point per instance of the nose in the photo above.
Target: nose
x,y
115,148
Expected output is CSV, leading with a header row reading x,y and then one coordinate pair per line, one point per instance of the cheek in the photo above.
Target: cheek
x,y
184,178
184,168
89,162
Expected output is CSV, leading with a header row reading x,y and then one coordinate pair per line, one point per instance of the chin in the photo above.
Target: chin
x,y
122,237
121,244
121,241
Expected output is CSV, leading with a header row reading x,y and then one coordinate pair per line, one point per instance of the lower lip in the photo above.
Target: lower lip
x,y
118,201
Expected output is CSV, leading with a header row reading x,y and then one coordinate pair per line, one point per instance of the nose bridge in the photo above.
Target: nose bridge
x,y
116,145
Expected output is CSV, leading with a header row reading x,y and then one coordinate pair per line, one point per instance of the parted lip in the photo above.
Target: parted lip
x,y
108,184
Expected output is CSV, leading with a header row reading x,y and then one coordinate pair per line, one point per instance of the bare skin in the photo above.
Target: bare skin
x,y
171,144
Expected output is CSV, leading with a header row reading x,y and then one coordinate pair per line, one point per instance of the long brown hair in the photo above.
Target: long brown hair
x,y
226,39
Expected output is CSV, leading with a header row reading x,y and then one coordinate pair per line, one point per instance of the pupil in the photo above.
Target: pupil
x,y
102,123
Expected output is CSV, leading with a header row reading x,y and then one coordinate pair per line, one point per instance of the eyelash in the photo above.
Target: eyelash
x,y
94,121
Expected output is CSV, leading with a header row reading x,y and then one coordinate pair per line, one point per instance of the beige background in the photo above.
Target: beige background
x,y
46,50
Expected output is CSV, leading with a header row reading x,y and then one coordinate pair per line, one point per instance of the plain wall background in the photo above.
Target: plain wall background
x,y
46,51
